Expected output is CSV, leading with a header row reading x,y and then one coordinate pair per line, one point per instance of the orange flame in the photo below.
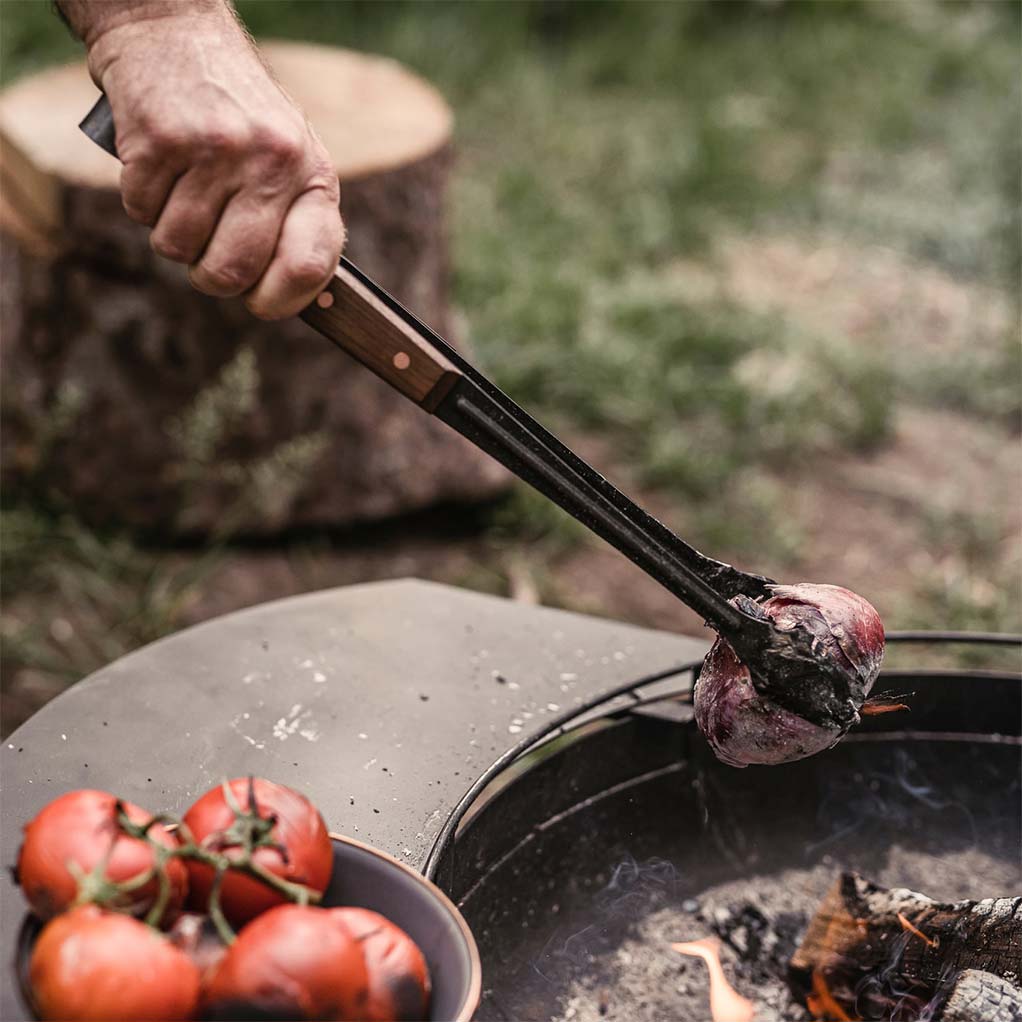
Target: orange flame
x,y
821,1003
726,1004
906,925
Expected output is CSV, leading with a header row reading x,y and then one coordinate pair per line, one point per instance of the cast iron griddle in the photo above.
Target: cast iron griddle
x,y
439,682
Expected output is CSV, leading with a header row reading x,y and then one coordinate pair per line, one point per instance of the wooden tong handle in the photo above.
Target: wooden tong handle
x,y
358,322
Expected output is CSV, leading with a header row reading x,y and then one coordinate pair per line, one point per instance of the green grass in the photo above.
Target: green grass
x,y
600,142
96,595
604,146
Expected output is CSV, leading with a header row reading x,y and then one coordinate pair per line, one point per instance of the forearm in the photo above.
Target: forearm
x,y
89,19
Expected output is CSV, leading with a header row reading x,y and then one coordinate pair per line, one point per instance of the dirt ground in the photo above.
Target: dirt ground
x,y
863,521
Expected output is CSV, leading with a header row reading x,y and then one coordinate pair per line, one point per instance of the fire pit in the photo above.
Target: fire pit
x,y
528,760
620,833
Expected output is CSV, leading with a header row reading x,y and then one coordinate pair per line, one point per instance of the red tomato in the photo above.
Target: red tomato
x,y
398,977
81,827
89,964
294,961
309,857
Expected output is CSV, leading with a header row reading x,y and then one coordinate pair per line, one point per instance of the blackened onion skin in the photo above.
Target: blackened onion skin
x,y
743,724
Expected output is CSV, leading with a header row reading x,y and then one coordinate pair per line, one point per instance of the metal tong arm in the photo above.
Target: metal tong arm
x,y
368,323
786,665
513,437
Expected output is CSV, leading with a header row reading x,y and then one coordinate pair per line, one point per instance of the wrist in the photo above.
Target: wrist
x,y
114,25
91,19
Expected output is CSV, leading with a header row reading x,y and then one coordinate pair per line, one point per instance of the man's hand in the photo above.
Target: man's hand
x,y
217,159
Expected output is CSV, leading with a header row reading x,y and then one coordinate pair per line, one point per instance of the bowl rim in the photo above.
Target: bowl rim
x,y
472,998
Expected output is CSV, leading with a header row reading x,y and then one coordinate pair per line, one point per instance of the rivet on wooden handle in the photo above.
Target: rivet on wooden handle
x,y
356,320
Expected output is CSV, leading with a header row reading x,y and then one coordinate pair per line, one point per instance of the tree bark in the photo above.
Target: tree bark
x,y
143,403
892,954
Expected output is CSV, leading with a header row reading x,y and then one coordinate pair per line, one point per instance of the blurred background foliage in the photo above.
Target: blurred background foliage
x,y
759,260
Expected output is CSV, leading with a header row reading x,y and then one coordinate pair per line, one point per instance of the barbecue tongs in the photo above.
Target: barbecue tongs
x,y
373,327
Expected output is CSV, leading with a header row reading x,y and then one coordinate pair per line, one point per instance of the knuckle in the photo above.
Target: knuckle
x,y
282,147
162,140
323,174
222,140
306,270
261,310
227,279
325,178
186,143
169,248
136,210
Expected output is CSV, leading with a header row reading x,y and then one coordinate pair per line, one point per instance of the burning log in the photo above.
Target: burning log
x,y
870,952
982,996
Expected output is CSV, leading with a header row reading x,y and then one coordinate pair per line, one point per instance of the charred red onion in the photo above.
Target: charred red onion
x,y
744,722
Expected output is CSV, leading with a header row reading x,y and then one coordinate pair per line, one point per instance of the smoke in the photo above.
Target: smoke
x,y
888,799
629,878
886,993
633,889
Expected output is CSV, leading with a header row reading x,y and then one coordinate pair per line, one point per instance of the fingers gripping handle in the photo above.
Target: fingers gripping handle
x,y
348,312
99,125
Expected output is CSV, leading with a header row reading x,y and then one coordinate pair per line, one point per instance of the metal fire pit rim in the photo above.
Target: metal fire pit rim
x,y
583,804
908,734
555,726
948,637
566,721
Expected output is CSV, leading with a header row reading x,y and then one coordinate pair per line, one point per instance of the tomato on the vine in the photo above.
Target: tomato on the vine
x,y
89,965
398,977
81,827
301,851
294,961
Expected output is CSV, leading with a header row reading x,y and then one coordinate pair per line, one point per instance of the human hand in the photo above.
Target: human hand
x,y
216,157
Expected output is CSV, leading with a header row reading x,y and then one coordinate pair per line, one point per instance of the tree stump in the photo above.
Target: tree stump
x,y
143,403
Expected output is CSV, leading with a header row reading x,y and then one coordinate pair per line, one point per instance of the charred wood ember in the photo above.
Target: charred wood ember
x,y
875,953
763,944
982,997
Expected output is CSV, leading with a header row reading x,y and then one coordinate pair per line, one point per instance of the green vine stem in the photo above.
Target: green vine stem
x,y
95,886
216,912
155,914
248,832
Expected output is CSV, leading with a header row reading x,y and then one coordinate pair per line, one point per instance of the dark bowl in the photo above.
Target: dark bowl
x,y
365,877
